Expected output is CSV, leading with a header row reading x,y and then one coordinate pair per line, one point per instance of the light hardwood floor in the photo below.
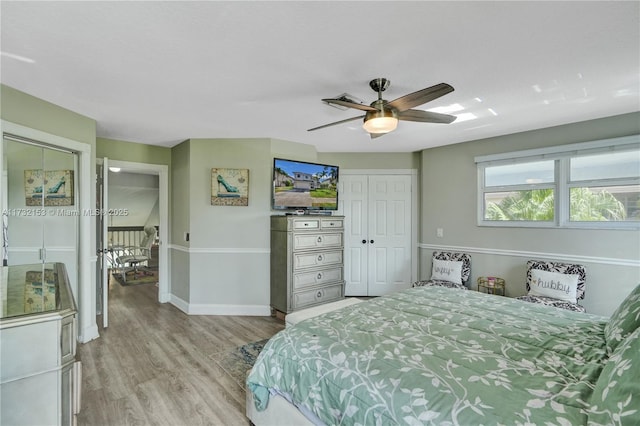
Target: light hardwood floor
x,y
155,365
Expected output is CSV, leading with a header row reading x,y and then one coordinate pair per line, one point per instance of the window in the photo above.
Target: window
x,y
593,184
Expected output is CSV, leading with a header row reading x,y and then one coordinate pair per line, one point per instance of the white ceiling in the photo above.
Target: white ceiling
x,y
161,72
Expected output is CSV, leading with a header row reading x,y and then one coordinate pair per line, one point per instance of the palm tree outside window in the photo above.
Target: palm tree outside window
x,y
589,187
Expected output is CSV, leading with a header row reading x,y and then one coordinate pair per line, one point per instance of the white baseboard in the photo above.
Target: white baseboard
x,y
217,309
179,303
164,297
89,333
244,310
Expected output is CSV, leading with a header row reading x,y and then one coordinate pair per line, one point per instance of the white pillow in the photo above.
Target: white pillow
x,y
447,270
554,284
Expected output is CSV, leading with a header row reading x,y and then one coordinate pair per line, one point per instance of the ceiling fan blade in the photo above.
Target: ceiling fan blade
x,y
348,104
425,116
420,97
337,122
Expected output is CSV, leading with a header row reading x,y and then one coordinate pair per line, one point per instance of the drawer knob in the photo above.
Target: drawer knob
x,y
319,239
319,275
319,258
364,241
319,295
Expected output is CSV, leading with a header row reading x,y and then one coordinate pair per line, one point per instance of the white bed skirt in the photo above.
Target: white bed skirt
x,y
279,412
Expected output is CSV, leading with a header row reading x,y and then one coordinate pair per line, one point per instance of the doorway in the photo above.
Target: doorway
x,y
145,173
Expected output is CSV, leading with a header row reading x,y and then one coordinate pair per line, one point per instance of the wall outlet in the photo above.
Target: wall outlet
x,y
440,232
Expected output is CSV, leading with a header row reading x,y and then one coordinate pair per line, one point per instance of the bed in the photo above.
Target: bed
x,y
434,355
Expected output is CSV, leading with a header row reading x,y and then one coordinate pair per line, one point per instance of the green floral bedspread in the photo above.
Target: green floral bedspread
x,y
433,355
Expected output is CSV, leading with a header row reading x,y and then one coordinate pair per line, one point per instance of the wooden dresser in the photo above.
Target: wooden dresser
x,y
39,374
306,261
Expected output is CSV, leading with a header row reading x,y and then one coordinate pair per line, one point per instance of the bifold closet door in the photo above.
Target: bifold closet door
x,y
377,211
40,222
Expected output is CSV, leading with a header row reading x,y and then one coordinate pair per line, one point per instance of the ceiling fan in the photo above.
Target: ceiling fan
x,y
382,117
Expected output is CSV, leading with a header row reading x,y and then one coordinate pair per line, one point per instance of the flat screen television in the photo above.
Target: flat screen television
x,y
299,185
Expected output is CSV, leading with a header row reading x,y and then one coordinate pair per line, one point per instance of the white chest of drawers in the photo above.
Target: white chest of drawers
x,y
39,374
306,261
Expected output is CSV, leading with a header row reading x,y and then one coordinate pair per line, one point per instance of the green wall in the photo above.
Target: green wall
x,y
449,202
131,151
26,110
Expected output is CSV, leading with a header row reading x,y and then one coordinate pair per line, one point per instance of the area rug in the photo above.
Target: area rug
x,y
148,276
238,361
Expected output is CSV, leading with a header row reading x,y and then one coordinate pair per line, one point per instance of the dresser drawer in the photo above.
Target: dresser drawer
x,y
28,350
303,299
315,241
331,223
309,260
317,277
68,339
306,224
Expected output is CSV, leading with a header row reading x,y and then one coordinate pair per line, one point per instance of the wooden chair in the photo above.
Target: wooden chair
x,y
131,257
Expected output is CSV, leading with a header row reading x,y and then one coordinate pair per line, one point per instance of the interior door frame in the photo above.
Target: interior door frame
x,y
162,171
414,205
102,274
86,286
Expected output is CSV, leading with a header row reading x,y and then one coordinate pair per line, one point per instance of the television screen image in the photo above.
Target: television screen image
x,y
299,185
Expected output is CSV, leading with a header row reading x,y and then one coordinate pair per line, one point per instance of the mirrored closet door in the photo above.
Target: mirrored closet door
x,y
40,213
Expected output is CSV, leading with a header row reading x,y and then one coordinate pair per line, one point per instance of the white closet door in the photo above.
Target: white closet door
x,y
389,234
377,210
354,195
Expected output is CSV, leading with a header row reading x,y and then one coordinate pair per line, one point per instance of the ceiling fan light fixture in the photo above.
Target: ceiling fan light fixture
x,y
382,117
380,121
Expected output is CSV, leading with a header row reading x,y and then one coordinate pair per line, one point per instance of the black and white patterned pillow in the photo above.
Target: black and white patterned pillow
x,y
556,303
563,268
455,256
451,256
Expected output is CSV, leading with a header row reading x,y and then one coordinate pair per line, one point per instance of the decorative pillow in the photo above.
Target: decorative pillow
x,y
616,396
447,270
456,257
554,284
563,268
624,321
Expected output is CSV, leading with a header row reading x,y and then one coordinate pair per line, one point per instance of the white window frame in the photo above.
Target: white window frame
x,y
562,155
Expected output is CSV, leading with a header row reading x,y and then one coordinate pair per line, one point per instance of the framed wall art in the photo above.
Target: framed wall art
x,y
55,186
229,187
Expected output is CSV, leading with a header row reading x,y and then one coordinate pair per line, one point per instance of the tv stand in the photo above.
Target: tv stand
x,y
309,213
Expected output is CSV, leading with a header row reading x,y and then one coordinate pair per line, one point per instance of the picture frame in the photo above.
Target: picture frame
x,y
56,186
229,187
